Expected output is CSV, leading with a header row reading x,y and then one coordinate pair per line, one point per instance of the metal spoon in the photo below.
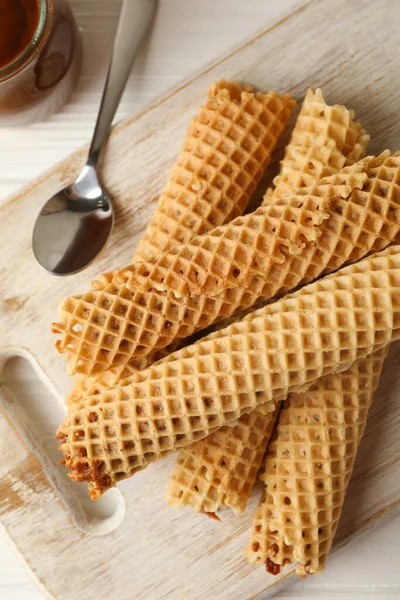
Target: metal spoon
x,y
75,223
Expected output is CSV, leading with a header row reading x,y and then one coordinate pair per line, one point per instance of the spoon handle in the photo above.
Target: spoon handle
x,y
134,20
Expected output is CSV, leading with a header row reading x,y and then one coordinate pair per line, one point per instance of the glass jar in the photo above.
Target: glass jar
x,y
40,59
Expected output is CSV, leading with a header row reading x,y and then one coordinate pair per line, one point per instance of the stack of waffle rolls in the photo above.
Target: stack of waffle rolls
x,y
226,150
338,221
281,348
320,350
220,471
311,454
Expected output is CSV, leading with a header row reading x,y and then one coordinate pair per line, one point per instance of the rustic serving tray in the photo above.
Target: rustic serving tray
x,y
131,545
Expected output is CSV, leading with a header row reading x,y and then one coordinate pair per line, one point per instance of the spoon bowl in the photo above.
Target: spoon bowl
x,y
73,226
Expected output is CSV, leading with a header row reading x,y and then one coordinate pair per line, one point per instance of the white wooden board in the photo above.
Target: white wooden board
x,y
157,552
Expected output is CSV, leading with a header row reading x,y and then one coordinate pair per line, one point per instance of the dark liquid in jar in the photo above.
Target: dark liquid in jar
x,y
18,23
44,82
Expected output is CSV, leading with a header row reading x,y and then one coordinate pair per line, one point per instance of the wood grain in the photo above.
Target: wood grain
x,y
158,552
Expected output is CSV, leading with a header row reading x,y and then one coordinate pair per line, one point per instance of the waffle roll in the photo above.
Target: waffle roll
x,y
337,222
324,140
281,348
219,471
308,466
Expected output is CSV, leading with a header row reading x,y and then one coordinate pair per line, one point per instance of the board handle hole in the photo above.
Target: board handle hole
x,y
36,414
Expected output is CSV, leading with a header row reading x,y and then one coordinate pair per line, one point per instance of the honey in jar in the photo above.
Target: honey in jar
x,y
40,59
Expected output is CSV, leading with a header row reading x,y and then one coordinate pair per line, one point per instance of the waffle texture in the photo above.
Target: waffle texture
x,y
234,254
111,326
84,387
226,149
220,470
308,467
281,348
324,140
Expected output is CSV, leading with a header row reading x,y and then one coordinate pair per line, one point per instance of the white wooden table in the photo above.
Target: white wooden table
x,y
187,35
